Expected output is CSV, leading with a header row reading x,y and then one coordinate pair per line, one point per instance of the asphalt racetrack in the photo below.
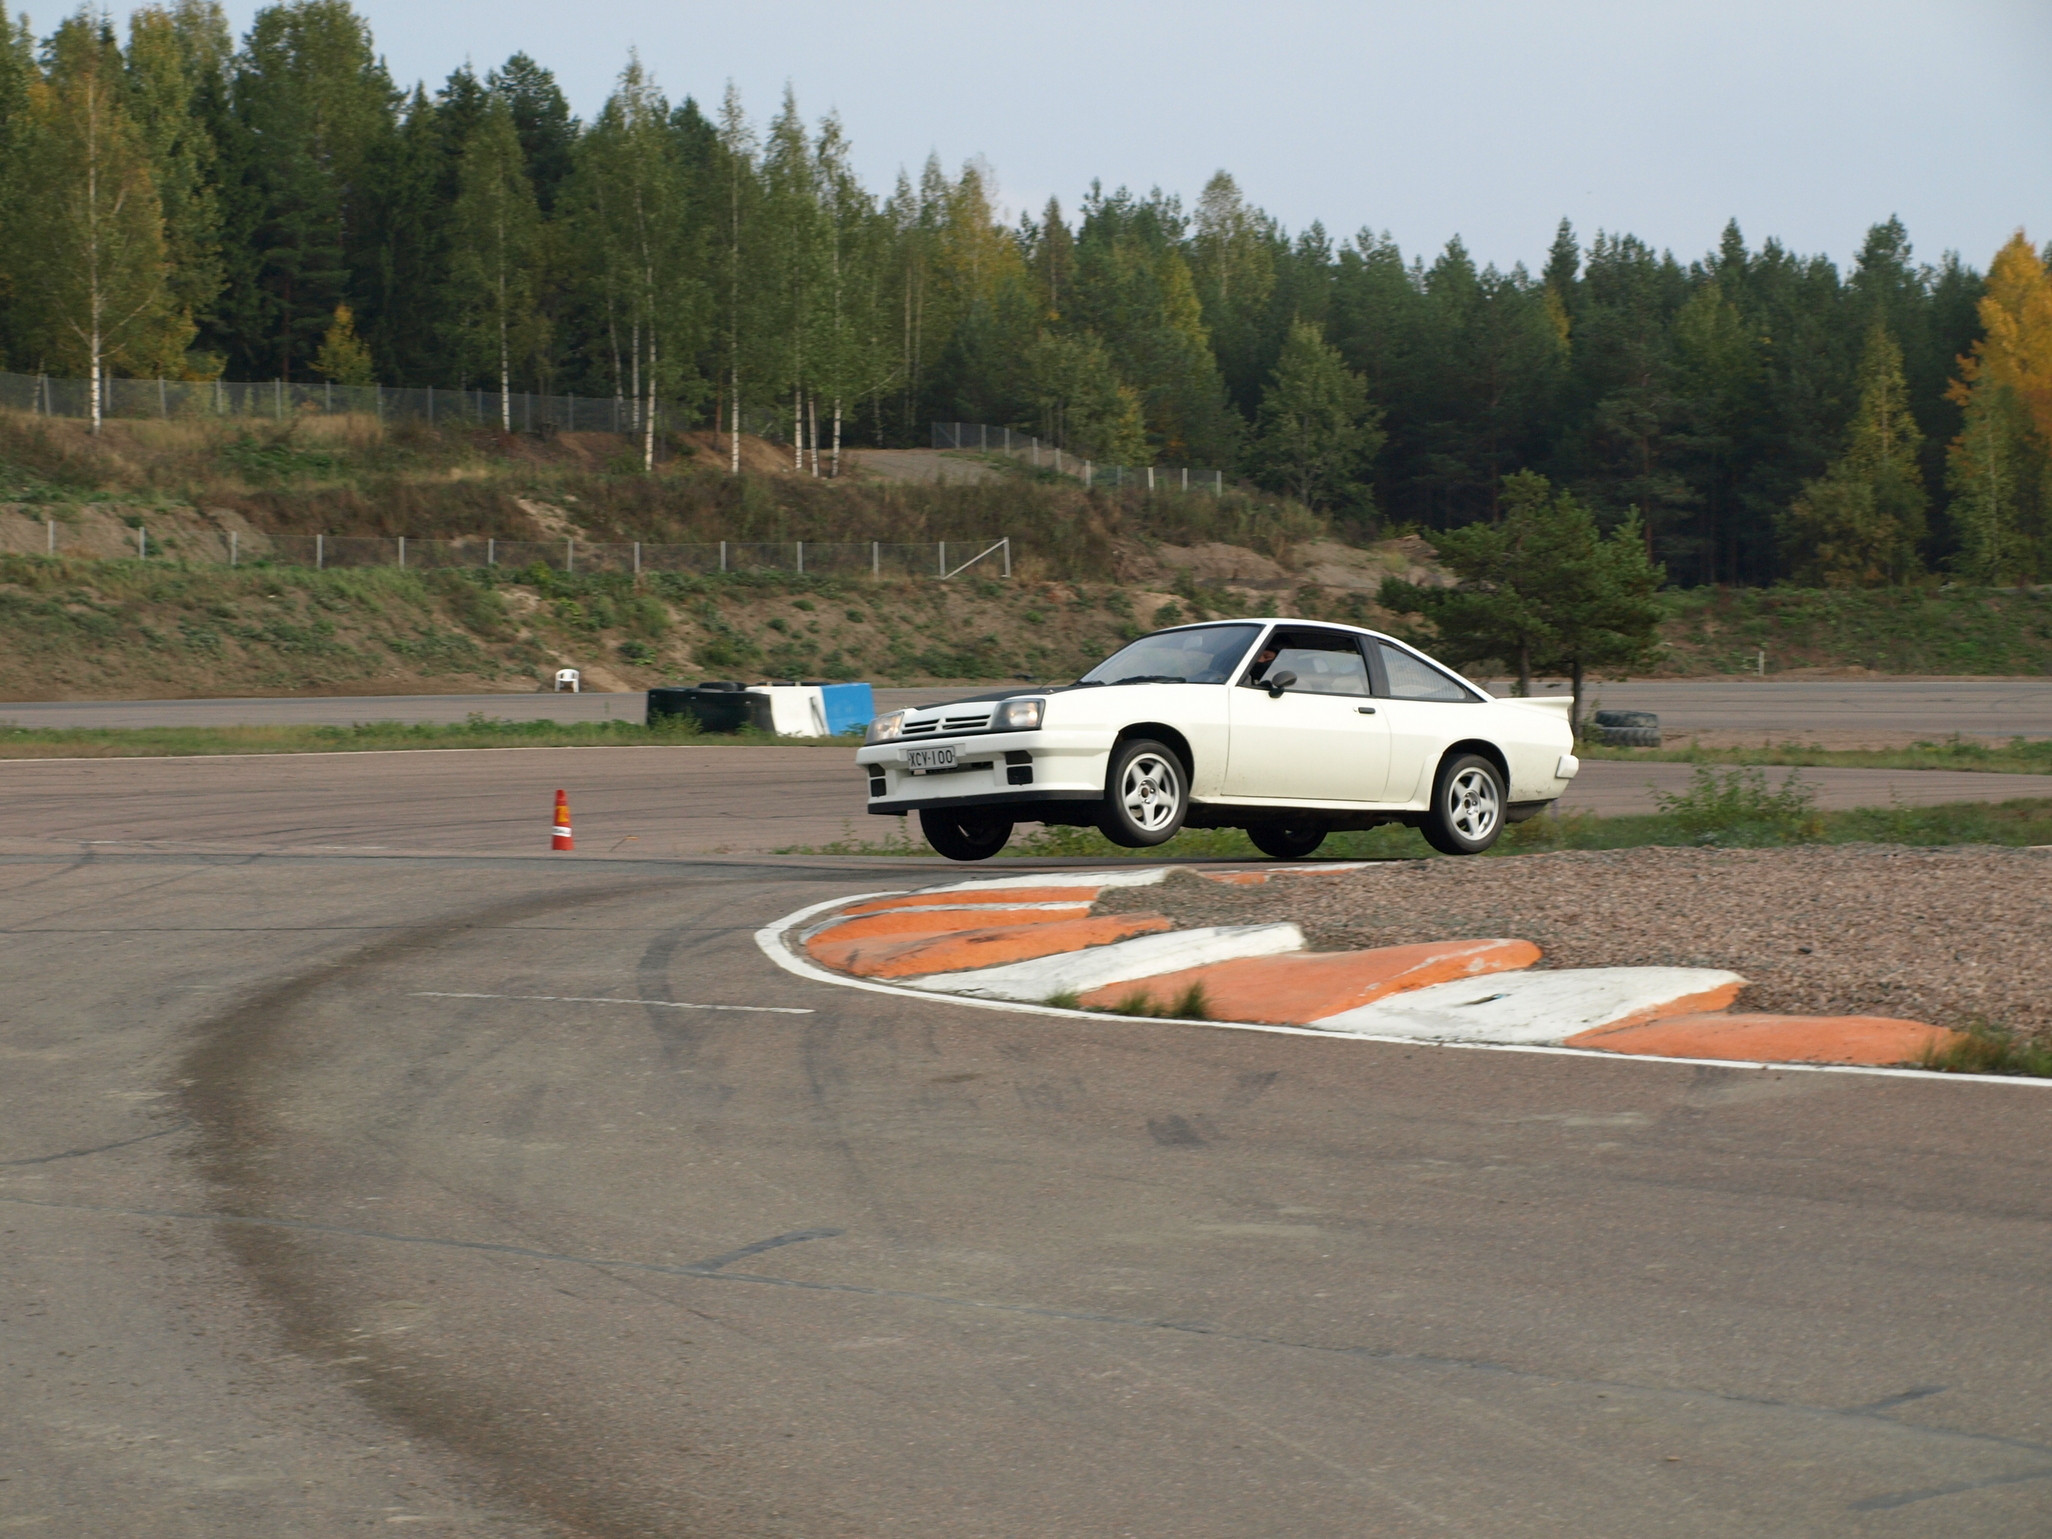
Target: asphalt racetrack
x,y
524,1196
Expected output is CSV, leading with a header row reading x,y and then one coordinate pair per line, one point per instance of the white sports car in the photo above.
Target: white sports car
x,y
1288,729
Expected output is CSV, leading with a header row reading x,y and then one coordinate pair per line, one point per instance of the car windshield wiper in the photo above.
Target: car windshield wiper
x,y
1152,678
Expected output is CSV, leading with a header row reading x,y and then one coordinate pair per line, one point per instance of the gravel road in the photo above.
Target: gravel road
x,y
1949,936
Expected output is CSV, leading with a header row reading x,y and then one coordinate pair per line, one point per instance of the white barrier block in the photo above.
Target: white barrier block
x,y
1121,961
1536,1008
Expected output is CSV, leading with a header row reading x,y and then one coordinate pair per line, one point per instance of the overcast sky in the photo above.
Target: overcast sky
x,y
1807,119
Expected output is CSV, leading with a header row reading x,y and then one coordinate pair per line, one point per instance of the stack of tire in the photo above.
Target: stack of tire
x,y
1625,729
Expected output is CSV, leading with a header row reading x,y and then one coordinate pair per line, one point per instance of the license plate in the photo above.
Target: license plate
x,y
929,758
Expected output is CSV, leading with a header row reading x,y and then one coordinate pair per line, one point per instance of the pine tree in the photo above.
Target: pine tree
x,y
177,91
343,358
1859,524
1317,432
1540,590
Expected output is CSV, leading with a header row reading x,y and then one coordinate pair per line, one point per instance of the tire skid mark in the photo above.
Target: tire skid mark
x,y
713,1269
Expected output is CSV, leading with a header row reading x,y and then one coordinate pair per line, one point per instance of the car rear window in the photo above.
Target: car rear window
x,y
1412,678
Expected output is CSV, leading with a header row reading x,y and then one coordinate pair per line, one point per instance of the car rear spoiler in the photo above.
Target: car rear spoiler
x,y
1558,705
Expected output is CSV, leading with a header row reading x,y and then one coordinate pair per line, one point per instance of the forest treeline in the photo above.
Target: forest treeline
x,y
180,203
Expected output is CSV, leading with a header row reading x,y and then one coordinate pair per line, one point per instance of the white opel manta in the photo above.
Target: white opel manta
x,y
1287,729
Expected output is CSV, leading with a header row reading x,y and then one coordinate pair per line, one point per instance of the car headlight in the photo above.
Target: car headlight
x,y
1018,715
885,728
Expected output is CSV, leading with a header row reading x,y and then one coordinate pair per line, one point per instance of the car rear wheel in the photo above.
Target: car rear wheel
x,y
963,835
1467,807
1286,843
1146,795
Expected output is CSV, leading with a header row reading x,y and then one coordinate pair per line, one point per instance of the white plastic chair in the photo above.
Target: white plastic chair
x,y
571,678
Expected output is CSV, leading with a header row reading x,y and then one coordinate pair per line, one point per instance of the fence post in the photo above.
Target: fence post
x,y
982,436
1036,454
1218,483
402,552
320,551
723,555
234,539
875,557
944,558
570,555
142,543
573,415
1008,555
1186,478
328,398
637,558
163,407
801,558
1088,473
1058,459
431,405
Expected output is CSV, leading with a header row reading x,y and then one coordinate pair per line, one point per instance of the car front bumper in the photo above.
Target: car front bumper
x,y
991,769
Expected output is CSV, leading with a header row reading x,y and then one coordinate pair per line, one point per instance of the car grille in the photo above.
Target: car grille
x,y
976,723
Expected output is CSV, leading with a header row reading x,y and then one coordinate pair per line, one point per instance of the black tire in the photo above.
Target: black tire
x,y
1467,806
964,835
1285,843
1626,737
1626,719
1146,795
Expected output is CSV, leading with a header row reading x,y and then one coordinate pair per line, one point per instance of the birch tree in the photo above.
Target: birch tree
x,y
495,228
95,275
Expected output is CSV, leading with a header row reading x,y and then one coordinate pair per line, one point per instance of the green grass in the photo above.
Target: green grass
x,y
2018,756
1727,812
1982,1048
475,731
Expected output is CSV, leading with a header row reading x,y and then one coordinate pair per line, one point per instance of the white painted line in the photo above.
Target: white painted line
x,y
1144,956
772,940
1528,1007
579,999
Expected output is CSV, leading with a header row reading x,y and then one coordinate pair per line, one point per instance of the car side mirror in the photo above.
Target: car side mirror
x,y
1279,682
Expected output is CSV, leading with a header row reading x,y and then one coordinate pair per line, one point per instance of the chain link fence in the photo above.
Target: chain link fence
x,y
286,400
939,559
982,438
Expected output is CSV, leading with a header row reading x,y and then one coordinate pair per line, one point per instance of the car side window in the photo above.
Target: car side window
x,y
1325,662
1412,678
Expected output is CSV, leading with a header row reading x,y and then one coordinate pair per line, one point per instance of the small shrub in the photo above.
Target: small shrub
x,y
636,652
1193,1004
1985,1048
1737,806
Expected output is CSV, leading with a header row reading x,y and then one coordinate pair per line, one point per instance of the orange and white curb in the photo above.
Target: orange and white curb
x,y
1012,943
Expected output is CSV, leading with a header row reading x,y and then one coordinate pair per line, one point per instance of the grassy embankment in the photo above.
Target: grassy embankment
x,y
179,624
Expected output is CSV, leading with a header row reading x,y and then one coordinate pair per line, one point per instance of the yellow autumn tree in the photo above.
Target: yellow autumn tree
x,y
1999,468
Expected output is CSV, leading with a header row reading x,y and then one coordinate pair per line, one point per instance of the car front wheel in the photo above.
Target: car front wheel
x,y
1467,807
964,836
1146,796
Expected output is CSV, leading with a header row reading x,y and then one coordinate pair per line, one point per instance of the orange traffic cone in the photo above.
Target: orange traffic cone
x,y
559,836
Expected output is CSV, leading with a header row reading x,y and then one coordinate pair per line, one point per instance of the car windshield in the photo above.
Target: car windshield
x,y
1201,654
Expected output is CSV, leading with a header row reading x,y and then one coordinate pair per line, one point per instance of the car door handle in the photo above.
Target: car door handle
x,y
1365,710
